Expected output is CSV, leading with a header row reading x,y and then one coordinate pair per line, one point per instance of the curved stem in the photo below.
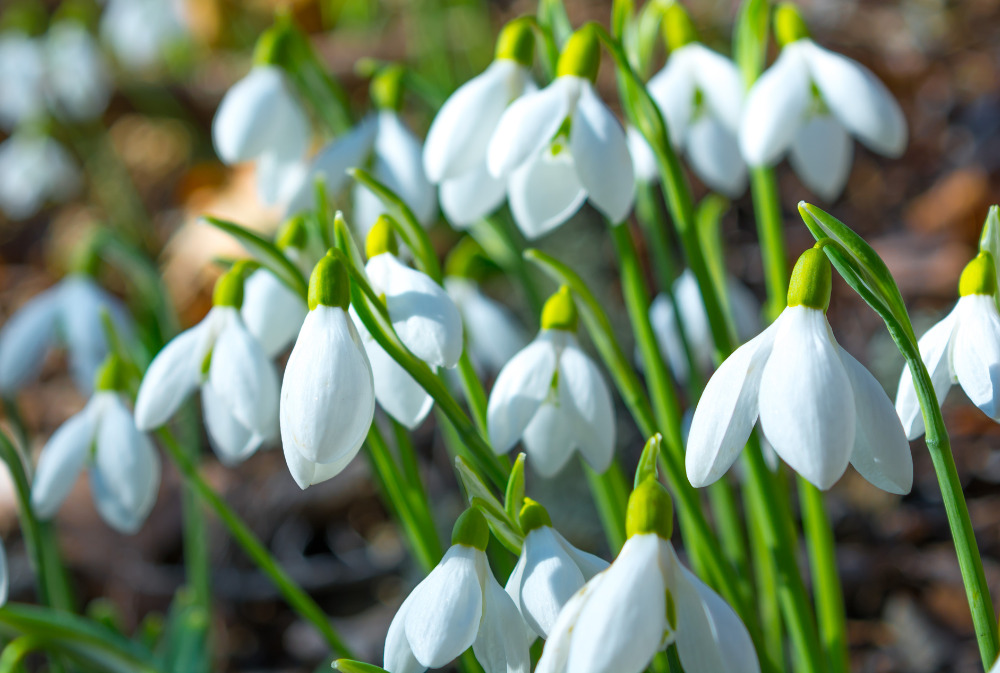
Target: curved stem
x,y
17,650
770,232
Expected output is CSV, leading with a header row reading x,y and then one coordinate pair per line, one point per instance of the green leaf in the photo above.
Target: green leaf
x,y
349,666
647,34
267,254
344,241
646,469
552,16
514,497
500,524
750,38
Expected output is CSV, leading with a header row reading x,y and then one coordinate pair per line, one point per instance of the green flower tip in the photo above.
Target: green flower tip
x,y
229,287
517,42
292,234
789,26
471,530
678,29
465,260
650,510
812,280
533,516
112,375
581,56
979,276
381,238
29,17
85,259
387,87
560,312
271,45
329,284
85,12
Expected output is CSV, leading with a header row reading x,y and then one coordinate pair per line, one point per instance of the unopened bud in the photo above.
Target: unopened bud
x,y
812,280
581,56
471,530
329,284
533,516
517,42
979,276
789,26
381,238
560,312
650,510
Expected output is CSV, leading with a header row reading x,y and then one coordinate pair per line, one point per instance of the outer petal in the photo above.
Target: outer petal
x,y
331,164
327,395
22,78
668,337
306,473
806,402
521,387
366,209
600,151
881,453
172,376
715,157
549,580
513,590
83,302
232,441
397,656
494,334
399,165
673,89
550,438
588,564
727,410
821,156
25,339
61,461
471,196
279,178
582,388
858,99
774,107
501,645
4,576
545,192
935,351
271,311
687,294
460,134
396,391
444,619
720,82
976,352
643,160
529,123
557,648
79,81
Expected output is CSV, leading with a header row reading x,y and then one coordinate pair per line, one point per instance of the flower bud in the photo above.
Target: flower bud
x,y
581,56
517,42
533,516
678,29
560,312
789,26
112,375
650,510
292,234
387,88
381,238
271,45
812,280
329,284
229,288
979,276
471,530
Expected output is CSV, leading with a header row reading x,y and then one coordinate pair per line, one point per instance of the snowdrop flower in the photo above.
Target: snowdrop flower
x,y
139,31
645,601
552,397
382,144
963,348
548,571
819,407
4,575
327,394
700,94
79,82
697,331
239,386
494,335
260,118
460,604
123,466
810,103
67,314
455,150
561,145
34,169
22,78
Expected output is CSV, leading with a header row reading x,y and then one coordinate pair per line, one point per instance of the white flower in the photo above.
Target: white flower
x,y
239,386
460,604
261,118
139,31
22,78
494,335
819,407
548,571
34,169
642,603
810,102
123,466
644,164
552,397
4,575
456,145
272,311
78,78
327,394
963,348
561,145
68,314
698,332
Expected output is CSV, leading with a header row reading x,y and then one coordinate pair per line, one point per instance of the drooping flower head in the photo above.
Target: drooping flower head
x,y
35,170
79,81
818,407
140,32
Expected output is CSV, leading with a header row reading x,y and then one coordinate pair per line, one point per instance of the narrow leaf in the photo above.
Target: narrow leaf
x,y
646,469
514,497
750,38
266,253
499,524
349,666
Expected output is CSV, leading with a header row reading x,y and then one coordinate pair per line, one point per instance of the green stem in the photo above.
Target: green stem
x,y
770,232
197,562
17,651
298,599
826,579
474,393
610,492
766,580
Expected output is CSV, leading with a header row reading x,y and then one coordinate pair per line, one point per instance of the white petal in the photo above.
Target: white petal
x,y
881,453
582,388
82,328
494,335
858,99
821,156
460,134
443,620
366,208
128,465
78,77
331,164
745,309
471,196
4,576
549,580
35,169
399,165
529,123
520,388
623,623
423,315
279,178
397,656
935,349
271,311
327,394
500,645
727,410
550,438
773,109
172,376
232,441
395,390
544,192
668,338
976,352
22,78
306,473
691,305
26,338
61,460
557,647
715,157
673,90
806,403
588,564
600,152
643,160
513,589
720,82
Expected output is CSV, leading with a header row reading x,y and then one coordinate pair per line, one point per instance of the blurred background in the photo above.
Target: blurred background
x,y
141,164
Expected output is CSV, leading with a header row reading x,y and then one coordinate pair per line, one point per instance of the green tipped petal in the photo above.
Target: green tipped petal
x,y
678,29
329,284
229,288
292,234
381,238
533,516
789,26
387,88
560,312
581,56
812,280
113,374
471,530
517,42
650,510
978,277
